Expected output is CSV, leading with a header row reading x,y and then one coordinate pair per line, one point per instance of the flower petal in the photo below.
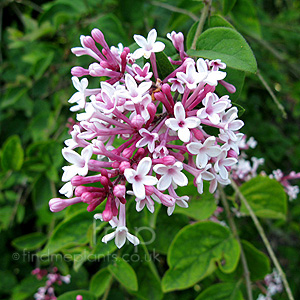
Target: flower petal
x,y
164,182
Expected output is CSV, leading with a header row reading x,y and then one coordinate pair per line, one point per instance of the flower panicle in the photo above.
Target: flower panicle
x,y
139,134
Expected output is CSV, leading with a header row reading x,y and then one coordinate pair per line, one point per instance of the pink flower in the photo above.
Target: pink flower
x,y
148,139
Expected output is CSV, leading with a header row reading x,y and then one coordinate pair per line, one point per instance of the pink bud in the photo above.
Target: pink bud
x,y
169,160
120,190
149,190
128,152
232,153
99,37
124,165
79,297
137,122
107,215
57,204
79,71
104,181
167,200
89,42
197,133
229,87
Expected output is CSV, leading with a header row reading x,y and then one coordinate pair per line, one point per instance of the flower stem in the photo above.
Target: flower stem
x,y
265,240
204,14
236,235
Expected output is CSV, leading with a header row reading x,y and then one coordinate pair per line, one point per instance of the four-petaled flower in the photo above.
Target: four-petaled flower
x,y
147,46
204,151
170,174
80,162
182,124
139,178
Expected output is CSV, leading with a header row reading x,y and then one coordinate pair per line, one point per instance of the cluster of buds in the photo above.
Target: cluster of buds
x,y
145,132
47,292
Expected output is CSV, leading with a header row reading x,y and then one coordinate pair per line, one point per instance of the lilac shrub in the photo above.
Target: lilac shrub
x,y
140,133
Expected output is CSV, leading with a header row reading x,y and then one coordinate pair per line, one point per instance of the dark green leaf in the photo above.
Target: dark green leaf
x,y
228,5
245,17
164,67
221,291
124,273
207,243
86,295
70,232
30,241
234,77
100,281
266,197
258,262
12,154
228,45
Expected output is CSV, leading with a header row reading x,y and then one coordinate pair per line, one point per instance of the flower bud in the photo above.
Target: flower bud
x,y
79,71
123,166
119,190
99,37
137,122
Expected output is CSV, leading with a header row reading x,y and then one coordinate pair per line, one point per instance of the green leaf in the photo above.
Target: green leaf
x,y
228,6
70,232
165,230
258,262
12,154
124,273
244,15
222,291
86,295
164,67
213,21
100,281
228,45
201,206
30,241
236,78
266,197
240,108
207,243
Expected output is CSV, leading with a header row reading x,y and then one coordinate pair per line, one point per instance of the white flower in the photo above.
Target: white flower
x,y
136,93
182,124
223,162
139,178
148,139
212,108
147,46
210,77
79,97
120,235
191,77
180,201
67,189
80,162
203,175
204,151
170,174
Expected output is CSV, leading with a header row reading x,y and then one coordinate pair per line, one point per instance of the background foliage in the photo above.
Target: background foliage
x,y
36,37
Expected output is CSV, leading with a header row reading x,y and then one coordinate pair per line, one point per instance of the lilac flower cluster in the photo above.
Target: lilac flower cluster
x,y
274,285
144,130
47,292
246,169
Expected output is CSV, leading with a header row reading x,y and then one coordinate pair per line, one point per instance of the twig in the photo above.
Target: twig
x,y
264,238
236,235
268,88
176,9
204,14
108,289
